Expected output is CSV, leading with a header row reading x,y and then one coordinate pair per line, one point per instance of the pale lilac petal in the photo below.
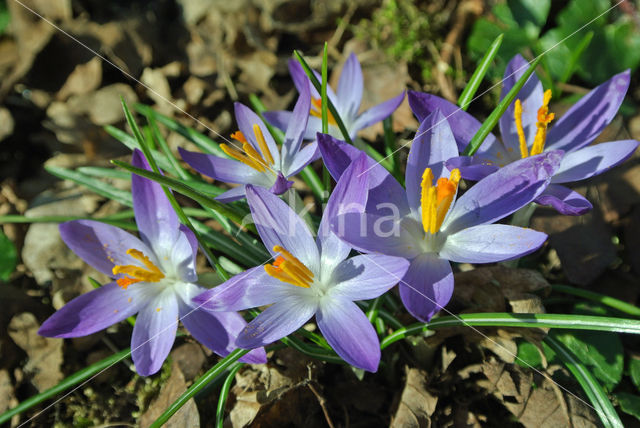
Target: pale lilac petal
x,y
593,160
276,322
503,192
193,241
349,333
278,224
299,76
376,114
281,185
427,286
181,260
94,311
154,333
586,119
564,200
304,157
101,245
531,98
349,195
384,235
490,243
386,195
231,195
221,169
246,118
367,276
432,146
249,289
218,331
350,87
278,118
296,128
155,217
473,168
463,125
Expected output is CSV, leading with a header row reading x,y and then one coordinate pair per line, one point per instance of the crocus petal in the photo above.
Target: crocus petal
x,y
427,286
249,289
473,168
181,261
564,200
503,192
94,311
101,245
218,331
154,333
385,193
463,125
350,87
433,145
349,195
299,77
155,217
232,194
367,276
531,98
349,333
593,160
226,170
296,128
586,119
278,224
372,233
276,322
246,118
376,114
281,185
490,243
304,157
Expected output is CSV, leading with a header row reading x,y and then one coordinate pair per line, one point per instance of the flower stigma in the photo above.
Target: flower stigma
x,y
251,156
136,273
287,268
544,118
316,111
436,200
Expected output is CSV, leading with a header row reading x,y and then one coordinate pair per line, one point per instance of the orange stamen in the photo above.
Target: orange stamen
x,y
149,273
287,268
436,200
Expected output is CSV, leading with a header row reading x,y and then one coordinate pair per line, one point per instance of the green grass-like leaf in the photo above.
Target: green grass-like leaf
x,y
478,75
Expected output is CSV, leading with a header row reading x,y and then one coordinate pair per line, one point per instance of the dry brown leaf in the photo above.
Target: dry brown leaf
x,y
416,403
190,358
6,123
7,396
84,78
542,405
187,416
45,354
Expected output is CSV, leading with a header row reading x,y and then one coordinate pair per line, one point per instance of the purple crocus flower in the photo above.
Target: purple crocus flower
x,y
524,133
427,226
310,276
154,277
346,100
259,163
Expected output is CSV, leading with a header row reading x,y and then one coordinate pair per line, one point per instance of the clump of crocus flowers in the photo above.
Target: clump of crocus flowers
x,y
373,234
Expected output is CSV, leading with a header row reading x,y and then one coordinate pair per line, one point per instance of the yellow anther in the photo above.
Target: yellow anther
x,y
517,113
316,111
544,118
149,273
262,143
287,268
254,163
436,200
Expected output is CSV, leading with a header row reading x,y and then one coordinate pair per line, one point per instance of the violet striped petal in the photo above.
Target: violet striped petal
x,y
296,128
473,168
349,333
304,157
246,118
221,169
350,87
375,114
427,286
277,321
564,200
233,194
101,245
154,333
593,160
367,276
586,119
95,311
